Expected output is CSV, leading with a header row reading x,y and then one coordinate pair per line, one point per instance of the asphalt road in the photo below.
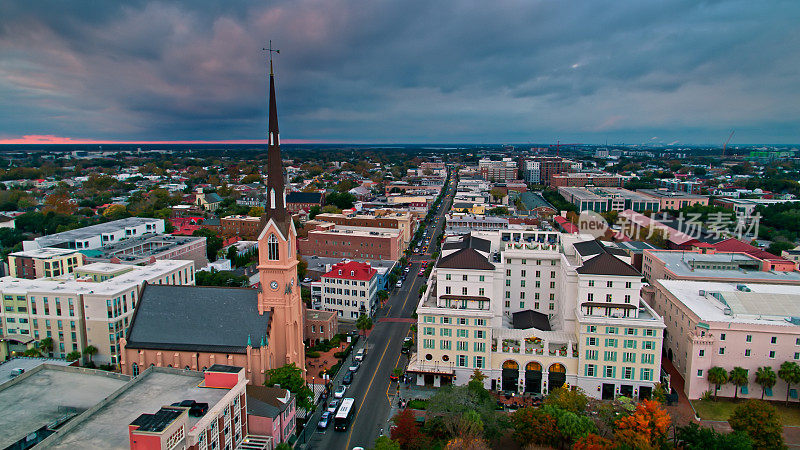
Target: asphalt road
x,y
371,387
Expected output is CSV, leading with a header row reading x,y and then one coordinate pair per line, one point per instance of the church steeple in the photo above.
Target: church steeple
x,y
276,201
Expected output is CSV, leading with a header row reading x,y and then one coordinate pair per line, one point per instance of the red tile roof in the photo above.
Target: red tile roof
x,y
735,245
360,271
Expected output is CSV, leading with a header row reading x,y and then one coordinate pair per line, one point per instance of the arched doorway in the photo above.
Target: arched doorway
x,y
557,376
135,369
510,375
533,378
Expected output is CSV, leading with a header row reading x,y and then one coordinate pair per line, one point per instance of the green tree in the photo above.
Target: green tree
x,y
364,323
231,254
73,356
256,211
386,443
760,421
291,377
224,278
695,437
90,351
717,376
213,242
738,378
449,403
766,378
46,345
497,194
571,426
382,295
573,400
790,373
302,268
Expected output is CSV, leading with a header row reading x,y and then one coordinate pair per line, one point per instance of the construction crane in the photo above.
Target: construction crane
x,y
725,145
558,146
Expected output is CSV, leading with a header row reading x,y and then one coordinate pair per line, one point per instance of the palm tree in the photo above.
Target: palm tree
x,y
790,373
90,350
765,377
46,345
364,323
738,378
717,376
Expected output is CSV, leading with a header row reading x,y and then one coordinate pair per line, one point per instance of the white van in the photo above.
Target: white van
x,y
359,355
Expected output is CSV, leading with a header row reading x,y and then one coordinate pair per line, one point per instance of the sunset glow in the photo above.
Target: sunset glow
x,y
52,139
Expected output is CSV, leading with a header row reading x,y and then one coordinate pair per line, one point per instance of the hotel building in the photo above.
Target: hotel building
x,y
534,310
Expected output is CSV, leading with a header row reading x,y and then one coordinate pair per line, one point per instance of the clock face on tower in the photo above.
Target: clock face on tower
x,y
274,285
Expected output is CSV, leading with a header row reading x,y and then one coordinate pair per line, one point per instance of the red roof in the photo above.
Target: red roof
x,y
569,227
352,270
735,245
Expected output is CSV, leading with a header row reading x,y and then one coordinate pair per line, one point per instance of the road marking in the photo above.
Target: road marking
x,y
369,386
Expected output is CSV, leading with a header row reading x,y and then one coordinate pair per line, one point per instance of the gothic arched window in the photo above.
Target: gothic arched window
x,y
272,248
135,369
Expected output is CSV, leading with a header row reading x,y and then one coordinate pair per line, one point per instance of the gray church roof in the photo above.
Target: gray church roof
x,y
198,318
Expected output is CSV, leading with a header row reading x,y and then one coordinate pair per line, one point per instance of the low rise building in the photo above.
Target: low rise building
x,y
350,289
581,179
402,221
96,236
674,200
44,262
340,241
271,412
460,223
149,248
608,199
245,227
93,306
320,265
503,170
297,201
320,325
728,325
709,264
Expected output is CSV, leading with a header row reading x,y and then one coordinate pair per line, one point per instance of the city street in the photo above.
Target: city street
x,y
371,387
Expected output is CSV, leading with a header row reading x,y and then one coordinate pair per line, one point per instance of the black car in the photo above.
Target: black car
x,y
405,350
348,378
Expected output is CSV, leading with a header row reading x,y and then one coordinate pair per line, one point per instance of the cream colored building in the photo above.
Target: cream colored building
x,y
44,262
92,306
533,310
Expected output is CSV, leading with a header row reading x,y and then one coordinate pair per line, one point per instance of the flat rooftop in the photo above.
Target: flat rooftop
x,y
749,303
46,252
107,428
46,395
696,265
139,247
659,193
68,284
360,231
26,363
317,263
92,230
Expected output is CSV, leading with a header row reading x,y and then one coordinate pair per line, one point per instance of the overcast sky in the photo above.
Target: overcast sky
x,y
404,71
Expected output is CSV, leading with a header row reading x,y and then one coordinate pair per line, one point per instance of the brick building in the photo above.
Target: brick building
x,y
351,242
583,179
246,227
402,221
320,325
295,201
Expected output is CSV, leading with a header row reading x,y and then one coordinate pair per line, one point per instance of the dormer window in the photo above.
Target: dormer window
x,y
352,273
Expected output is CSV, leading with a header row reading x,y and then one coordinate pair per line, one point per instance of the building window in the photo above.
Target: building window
x,y
272,248
772,354
747,352
722,350
591,370
591,283
700,373
773,340
722,337
609,284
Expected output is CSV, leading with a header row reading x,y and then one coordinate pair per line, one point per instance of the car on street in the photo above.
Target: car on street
x,y
306,280
408,339
348,378
399,284
332,406
405,351
339,392
394,377
324,421
354,366
408,268
421,273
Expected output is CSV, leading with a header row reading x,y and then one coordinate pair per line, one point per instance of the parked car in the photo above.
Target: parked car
x,y
354,366
324,421
333,405
348,378
405,350
306,280
394,377
359,355
399,284
421,272
339,392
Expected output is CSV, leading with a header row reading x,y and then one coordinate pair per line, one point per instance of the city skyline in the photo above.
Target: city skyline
x,y
679,73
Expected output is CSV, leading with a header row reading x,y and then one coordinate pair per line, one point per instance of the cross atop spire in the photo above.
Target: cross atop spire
x,y
270,51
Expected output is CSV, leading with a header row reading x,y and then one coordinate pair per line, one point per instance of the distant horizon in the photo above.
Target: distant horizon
x,y
31,140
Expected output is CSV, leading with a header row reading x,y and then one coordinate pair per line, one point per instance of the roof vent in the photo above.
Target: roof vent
x,y
702,293
727,312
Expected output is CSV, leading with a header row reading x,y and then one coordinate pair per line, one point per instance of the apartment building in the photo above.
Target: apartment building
x,y
92,306
712,324
142,250
534,310
96,236
351,242
498,171
350,289
402,221
458,223
581,179
540,169
44,262
246,227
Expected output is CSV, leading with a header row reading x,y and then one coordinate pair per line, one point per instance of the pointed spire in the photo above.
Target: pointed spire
x,y
275,201
249,341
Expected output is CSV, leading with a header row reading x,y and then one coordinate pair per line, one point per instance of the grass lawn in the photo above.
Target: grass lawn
x,y
417,404
722,409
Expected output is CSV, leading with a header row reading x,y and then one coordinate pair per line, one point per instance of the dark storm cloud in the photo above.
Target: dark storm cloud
x,y
403,71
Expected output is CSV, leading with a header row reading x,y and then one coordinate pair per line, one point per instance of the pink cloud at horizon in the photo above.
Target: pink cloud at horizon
x,y
49,139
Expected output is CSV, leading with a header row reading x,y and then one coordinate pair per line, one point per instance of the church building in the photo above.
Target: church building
x,y
195,327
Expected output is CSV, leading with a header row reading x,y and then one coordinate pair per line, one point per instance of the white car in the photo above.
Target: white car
x,y
399,284
339,392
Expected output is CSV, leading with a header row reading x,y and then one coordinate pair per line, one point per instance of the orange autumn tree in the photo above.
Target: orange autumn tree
x,y
647,425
